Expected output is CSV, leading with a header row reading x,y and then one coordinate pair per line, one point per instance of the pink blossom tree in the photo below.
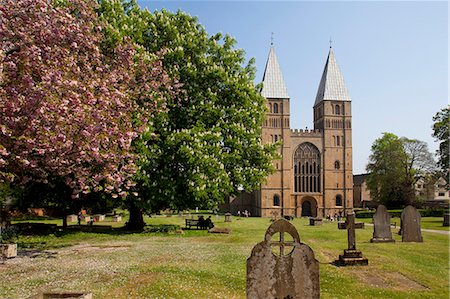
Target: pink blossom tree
x,y
69,110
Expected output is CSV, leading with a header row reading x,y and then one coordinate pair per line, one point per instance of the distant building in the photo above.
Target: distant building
x,y
431,192
361,194
314,176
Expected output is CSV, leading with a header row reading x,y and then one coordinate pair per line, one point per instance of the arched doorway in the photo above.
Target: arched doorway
x,y
308,207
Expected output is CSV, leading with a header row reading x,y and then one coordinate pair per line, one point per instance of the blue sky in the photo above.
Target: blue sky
x,y
393,55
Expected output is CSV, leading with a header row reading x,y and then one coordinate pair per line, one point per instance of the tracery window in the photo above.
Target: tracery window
x,y
307,169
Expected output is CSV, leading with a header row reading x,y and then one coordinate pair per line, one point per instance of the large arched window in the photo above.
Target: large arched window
x,y
276,200
275,108
339,200
307,169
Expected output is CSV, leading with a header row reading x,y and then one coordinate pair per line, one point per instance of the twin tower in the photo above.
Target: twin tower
x,y
314,175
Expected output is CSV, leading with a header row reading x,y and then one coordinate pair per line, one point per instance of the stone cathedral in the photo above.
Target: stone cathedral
x,y
314,175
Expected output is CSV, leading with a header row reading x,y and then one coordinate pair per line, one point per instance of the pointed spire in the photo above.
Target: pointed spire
x,y
273,82
332,85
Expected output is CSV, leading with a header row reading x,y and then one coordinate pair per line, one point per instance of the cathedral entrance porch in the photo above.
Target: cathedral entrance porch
x,y
308,207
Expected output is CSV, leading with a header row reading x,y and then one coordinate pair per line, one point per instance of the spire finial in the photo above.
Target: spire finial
x,y
271,39
331,42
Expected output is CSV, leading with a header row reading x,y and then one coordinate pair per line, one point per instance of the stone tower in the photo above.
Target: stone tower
x,y
333,117
276,192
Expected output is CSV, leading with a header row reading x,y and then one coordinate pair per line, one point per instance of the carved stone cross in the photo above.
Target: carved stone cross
x,y
350,225
282,244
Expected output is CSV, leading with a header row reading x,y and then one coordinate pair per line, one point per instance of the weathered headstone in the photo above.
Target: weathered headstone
x,y
381,226
227,217
117,218
72,218
446,219
293,274
99,217
351,256
87,218
410,225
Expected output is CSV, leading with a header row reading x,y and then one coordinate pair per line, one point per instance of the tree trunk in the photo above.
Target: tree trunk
x,y
65,221
136,221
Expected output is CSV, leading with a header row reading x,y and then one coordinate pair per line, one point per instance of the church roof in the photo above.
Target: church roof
x,y
273,82
332,85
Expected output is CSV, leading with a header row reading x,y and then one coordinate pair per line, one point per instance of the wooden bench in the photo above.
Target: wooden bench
x,y
194,222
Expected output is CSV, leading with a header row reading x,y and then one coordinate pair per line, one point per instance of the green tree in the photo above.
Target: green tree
x,y
207,145
441,128
390,181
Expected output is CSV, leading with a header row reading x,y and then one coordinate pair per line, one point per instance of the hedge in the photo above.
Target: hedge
x,y
398,213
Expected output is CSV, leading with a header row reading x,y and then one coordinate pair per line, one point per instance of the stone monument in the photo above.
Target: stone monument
x,y
381,226
446,219
351,256
274,271
410,225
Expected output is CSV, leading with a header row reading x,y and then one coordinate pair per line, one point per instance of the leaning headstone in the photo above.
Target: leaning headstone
x,y
410,225
293,274
381,226
446,219
351,256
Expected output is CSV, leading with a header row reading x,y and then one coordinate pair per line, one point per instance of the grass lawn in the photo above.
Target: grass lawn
x,y
426,222
197,264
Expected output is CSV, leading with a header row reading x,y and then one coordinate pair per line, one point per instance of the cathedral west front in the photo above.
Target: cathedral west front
x,y
314,175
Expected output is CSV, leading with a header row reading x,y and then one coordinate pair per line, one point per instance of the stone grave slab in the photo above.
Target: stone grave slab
x,y
315,221
282,268
62,295
351,256
220,230
381,226
410,225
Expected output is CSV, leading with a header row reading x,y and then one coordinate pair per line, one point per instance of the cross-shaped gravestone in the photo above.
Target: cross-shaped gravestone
x,y
350,226
351,256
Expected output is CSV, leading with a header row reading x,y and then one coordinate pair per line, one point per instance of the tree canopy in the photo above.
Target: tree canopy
x,y
394,166
441,129
69,111
208,144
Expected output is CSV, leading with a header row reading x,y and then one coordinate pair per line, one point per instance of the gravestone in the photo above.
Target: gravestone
x,y
410,225
87,218
117,218
99,217
381,226
446,219
227,217
351,256
72,218
273,271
